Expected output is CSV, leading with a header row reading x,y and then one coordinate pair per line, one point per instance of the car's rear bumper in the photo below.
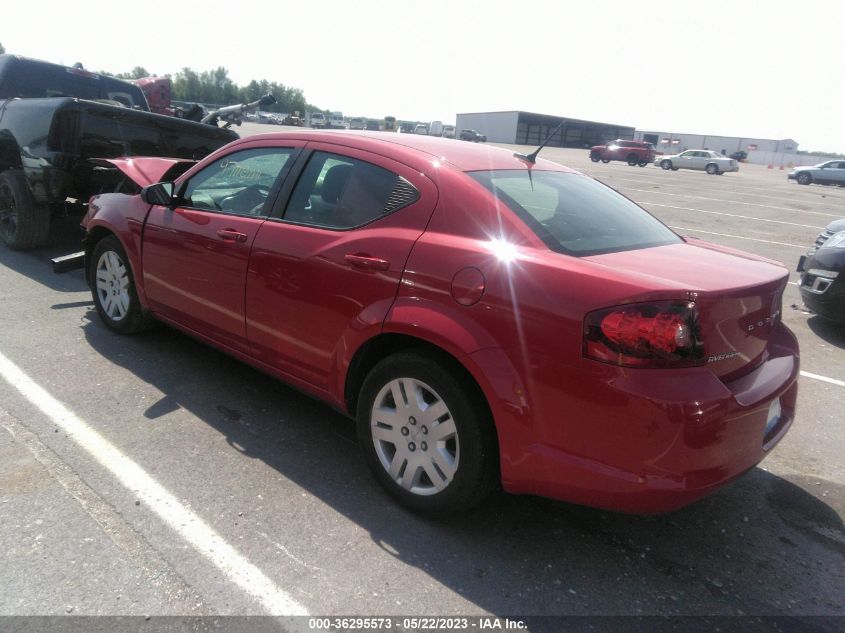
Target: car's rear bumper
x,y
668,447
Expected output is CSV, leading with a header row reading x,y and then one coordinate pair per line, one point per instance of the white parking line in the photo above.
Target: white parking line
x,y
733,215
734,190
739,237
748,204
153,495
832,381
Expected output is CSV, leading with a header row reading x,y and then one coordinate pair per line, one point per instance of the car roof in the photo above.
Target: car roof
x,y
462,155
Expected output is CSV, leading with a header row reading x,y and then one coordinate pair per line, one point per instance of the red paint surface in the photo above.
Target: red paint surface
x,y
644,440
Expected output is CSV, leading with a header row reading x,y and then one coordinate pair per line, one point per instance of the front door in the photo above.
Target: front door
x,y
195,255
330,265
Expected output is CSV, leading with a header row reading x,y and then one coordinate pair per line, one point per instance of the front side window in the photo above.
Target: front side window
x,y
239,182
575,214
339,192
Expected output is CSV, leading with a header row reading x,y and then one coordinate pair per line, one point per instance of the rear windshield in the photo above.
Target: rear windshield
x,y
34,80
575,214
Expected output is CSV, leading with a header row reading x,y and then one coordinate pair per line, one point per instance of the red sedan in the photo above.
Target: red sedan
x,y
487,320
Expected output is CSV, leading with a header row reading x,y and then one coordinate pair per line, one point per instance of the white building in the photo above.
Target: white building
x,y
760,150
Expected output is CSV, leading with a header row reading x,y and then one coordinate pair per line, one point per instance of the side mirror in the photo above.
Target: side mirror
x,y
161,194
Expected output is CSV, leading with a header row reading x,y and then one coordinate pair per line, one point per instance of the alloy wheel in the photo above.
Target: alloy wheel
x,y
113,285
415,437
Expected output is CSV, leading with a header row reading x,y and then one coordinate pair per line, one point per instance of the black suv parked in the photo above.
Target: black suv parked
x,y
472,135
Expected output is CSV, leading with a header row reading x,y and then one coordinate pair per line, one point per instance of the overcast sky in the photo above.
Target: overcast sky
x,y
771,69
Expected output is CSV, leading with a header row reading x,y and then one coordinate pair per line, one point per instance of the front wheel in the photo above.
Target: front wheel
x,y
113,288
666,164
595,158
605,160
23,224
712,169
427,434
804,178
643,163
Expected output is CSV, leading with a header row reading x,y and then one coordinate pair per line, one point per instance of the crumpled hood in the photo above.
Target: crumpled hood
x,y
144,170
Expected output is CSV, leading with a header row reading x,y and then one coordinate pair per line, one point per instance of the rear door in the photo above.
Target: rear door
x,y
328,265
837,173
195,256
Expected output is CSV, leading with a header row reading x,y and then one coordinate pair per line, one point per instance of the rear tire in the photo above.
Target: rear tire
x,y
595,158
633,159
666,164
605,160
804,178
113,288
23,224
426,434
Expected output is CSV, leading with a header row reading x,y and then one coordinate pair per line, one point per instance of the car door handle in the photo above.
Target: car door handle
x,y
231,235
362,260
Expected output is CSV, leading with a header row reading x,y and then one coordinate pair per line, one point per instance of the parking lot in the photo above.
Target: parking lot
x,y
269,508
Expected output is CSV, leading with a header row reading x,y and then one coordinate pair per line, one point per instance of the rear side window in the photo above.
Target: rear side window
x,y
575,214
33,80
339,192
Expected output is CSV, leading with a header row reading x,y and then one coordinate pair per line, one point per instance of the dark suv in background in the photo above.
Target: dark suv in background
x,y
632,152
472,135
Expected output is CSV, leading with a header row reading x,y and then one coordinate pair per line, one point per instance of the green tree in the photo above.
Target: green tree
x,y
216,87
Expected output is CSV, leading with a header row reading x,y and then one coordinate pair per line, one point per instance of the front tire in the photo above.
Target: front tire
x,y
804,178
23,224
712,169
666,164
605,160
595,158
426,434
113,288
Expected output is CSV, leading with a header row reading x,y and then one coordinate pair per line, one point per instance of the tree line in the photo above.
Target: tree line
x,y
216,87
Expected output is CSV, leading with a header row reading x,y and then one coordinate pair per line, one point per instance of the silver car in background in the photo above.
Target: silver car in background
x,y
830,173
701,159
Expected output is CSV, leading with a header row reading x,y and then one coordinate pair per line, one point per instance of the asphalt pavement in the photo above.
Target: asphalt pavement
x,y
251,498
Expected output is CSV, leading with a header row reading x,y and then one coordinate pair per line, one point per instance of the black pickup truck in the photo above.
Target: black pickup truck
x,y
55,120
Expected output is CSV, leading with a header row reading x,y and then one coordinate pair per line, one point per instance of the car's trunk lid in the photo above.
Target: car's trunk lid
x,y
737,295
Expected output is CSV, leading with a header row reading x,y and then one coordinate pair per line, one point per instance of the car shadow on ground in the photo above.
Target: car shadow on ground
x,y
765,545
827,330
65,238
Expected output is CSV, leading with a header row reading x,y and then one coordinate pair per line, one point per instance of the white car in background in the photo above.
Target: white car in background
x,y
831,172
701,159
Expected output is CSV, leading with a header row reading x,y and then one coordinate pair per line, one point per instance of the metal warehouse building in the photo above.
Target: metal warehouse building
x,y
530,128
672,142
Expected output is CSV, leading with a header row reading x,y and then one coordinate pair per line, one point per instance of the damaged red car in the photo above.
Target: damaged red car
x,y
487,320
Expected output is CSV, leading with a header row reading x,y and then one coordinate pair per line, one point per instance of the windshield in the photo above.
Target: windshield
x,y
575,214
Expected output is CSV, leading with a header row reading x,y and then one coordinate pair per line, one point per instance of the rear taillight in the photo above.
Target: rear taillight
x,y
656,334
